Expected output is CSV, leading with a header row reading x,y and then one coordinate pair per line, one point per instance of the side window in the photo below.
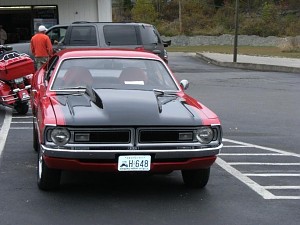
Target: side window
x,y
120,35
157,35
83,35
149,35
50,67
57,34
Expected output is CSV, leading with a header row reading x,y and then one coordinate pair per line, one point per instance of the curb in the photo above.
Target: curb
x,y
250,66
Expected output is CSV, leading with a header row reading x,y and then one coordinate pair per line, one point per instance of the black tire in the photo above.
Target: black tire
x,y
35,140
47,179
22,108
196,178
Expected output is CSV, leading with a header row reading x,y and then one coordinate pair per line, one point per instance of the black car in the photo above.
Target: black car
x,y
139,36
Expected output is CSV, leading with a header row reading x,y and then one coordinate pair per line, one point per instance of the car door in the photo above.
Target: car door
x,y
57,34
40,82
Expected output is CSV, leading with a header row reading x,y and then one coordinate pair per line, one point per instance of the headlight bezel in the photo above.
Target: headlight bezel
x,y
204,135
60,136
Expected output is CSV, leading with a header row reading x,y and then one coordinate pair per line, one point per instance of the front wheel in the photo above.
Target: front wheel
x,y
47,179
35,140
196,178
22,107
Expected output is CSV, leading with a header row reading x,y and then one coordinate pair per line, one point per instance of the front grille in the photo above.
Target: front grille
x,y
109,136
143,148
165,136
143,138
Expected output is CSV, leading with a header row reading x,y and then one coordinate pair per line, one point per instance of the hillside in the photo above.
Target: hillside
x,y
214,17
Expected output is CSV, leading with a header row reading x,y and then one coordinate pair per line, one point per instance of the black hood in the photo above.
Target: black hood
x,y
125,108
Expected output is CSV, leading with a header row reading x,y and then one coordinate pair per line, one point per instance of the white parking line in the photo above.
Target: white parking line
x,y
22,117
252,154
16,120
264,164
244,177
4,129
272,174
21,128
262,147
282,187
287,197
261,190
236,146
246,180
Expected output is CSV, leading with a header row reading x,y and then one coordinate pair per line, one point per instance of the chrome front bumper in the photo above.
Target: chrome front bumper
x,y
112,154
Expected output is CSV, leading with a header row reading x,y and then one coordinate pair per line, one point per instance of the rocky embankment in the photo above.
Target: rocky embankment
x,y
227,39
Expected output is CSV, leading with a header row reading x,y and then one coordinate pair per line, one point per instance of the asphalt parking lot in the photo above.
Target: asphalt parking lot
x,y
272,173
256,179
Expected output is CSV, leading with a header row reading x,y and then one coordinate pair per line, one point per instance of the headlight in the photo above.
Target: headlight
x,y
19,80
204,135
60,136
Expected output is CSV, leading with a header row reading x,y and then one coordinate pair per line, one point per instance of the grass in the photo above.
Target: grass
x,y
245,50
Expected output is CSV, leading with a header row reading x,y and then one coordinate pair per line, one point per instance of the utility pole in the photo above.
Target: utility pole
x,y
236,30
180,20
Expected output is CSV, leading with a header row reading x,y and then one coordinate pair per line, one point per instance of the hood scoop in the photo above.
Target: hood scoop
x,y
84,99
163,97
95,98
125,108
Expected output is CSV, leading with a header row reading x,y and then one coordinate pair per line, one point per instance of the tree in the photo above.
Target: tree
x,y
122,10
144,11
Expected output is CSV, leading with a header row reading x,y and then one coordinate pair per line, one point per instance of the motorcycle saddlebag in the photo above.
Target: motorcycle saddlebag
x,y
14,65
6,95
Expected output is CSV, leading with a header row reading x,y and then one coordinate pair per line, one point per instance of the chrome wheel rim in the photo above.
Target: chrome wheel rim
x,y
40,166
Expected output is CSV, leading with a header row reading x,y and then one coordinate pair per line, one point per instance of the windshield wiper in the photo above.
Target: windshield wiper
x,y
72,88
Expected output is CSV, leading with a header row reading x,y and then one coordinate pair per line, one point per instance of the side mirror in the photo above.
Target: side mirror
x,y
156,51
167,43
184,84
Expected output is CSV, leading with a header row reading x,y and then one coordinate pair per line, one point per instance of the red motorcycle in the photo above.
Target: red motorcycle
x,y
16,71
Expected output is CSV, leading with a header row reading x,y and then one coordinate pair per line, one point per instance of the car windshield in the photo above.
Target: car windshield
x,y
115,73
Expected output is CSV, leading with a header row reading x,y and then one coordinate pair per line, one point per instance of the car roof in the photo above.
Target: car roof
x,y
112,23
104,52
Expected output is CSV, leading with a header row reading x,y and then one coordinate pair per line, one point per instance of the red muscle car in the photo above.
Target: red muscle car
x,y
118,111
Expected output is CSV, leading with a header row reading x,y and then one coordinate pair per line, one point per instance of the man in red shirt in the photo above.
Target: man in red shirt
x,y
41,46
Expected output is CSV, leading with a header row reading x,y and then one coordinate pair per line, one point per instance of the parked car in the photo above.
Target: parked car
x,y
119,111
104,35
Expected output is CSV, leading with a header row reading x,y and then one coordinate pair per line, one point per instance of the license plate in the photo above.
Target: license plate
x,y
134,163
